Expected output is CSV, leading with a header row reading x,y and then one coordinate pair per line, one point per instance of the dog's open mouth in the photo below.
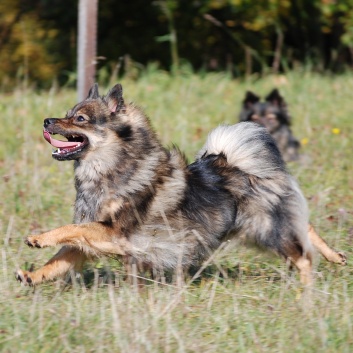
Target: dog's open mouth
x,y
74,144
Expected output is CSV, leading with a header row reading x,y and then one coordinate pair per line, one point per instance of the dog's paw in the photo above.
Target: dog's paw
x,y
24,277
34,242
343,258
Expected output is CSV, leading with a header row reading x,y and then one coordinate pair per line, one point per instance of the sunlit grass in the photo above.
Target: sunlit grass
x,y
245,301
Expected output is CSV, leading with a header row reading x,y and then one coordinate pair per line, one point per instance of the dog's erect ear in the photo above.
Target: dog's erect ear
x,y
250,99
115,99
93,92
275,98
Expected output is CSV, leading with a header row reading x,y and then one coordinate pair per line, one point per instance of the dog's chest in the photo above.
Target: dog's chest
x,y
90,198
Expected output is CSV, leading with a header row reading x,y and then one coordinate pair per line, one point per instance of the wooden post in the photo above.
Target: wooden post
x,y
86,46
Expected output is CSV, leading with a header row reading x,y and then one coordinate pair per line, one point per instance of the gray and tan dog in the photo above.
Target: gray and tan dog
x,y
272,113
137,200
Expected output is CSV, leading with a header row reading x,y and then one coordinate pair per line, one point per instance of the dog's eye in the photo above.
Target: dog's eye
x,y
80,118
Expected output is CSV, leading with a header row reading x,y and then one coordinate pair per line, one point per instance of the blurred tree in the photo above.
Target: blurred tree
x,y
32,49
168,7
21,44
337,29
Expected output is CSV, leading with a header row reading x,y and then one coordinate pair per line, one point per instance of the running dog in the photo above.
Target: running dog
x,y
144,204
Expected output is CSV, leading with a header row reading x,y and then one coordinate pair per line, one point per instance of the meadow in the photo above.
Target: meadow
x,y
244,300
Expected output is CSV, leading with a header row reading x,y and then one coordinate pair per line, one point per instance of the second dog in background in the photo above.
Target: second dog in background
x,y
272,114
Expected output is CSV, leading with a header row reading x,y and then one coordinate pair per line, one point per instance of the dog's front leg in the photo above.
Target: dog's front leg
x,y
94,236
66,259
83,240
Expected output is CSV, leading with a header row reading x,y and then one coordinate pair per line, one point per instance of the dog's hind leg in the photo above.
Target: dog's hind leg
x,y
304,265
66,259
328,253
300,255
95,237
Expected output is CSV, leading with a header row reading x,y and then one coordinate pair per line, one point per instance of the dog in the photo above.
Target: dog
x,y
274,116
145,204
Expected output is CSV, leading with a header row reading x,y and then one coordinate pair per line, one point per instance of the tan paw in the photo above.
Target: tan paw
x,y
343,258
24,277
35,242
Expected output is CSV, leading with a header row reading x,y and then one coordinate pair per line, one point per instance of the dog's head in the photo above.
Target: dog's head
x,y
272,113
89,125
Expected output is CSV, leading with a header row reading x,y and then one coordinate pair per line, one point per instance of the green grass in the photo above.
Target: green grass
x,y
256,305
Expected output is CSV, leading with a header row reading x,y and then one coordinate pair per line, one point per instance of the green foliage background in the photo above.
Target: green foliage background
x,y
38,37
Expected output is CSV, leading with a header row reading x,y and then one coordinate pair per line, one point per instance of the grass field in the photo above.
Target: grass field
x,y
245,300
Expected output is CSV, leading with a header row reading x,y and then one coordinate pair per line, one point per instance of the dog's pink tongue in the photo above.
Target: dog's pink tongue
x,y
58,143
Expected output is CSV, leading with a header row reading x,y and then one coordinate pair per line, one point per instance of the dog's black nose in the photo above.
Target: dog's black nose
x,y
49,121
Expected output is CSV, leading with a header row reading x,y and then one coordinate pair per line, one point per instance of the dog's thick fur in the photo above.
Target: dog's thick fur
x,y
144,203
273,115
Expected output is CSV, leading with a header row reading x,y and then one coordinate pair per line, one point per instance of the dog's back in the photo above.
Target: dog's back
x,y
237,187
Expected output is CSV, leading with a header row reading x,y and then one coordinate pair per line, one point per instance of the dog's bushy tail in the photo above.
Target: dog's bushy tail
x,y
247,146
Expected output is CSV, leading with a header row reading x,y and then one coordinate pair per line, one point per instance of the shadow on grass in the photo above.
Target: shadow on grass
x,y
118,276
